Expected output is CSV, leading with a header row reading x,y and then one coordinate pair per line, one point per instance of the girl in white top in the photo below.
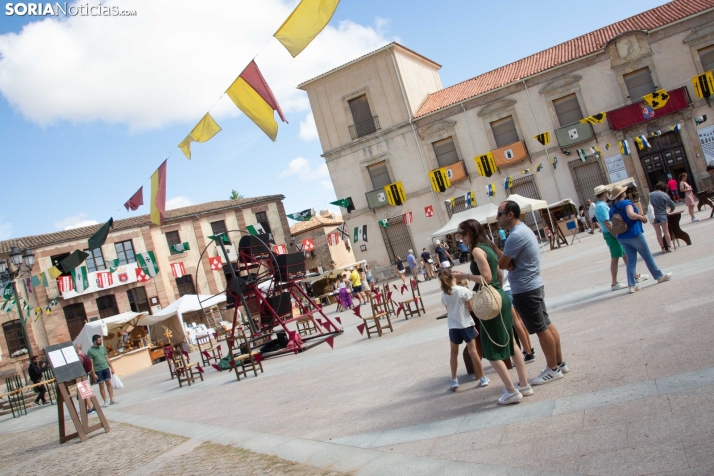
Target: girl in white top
x,y
461,326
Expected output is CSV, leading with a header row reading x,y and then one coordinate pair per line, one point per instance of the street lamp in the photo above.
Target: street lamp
x,y
17,259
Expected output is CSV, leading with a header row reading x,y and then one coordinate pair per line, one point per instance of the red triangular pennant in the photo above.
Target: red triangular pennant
x,y
389,296
360,328
319,321
327,325
399,309
378,298
404,288
258,358
395,287
338,320
330,341
357,311
199,368
416,301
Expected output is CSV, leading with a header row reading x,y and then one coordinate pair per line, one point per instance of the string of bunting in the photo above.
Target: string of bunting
x,y
249,92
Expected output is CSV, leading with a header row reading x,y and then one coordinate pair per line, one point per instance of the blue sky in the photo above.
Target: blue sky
x,y
90,108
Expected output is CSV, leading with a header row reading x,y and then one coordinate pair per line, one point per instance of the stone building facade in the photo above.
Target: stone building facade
x,y
385,118
192,225
324,256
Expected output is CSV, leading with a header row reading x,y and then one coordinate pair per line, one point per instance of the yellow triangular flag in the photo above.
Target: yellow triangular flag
x,y
254,106
305,23
204,130
54,272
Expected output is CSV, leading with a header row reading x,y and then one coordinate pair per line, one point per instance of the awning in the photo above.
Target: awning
x,y
629,181
561,203
103,326
333,272
480,214
527,205
185,304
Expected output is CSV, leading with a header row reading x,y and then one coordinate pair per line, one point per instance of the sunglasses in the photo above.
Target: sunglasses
x,y
501,213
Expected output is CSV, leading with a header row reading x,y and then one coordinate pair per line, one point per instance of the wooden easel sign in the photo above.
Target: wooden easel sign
x,y
69,371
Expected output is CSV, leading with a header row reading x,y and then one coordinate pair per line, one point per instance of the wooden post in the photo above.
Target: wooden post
x,y
80,420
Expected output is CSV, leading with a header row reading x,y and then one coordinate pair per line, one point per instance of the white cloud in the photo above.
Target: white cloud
x,y
77,221
167,64
5,229
302,169
308,129
327,184
178,202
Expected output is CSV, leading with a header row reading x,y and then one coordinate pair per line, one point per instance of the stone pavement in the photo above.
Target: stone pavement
x,y
639,398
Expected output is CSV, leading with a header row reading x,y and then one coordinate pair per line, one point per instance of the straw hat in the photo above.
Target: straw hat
x,y
616,191
599,189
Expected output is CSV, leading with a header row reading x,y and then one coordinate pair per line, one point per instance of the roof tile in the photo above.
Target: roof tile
x,y
560,54
47,239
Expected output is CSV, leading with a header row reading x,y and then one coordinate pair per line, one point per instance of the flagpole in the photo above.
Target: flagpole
x,y
547,155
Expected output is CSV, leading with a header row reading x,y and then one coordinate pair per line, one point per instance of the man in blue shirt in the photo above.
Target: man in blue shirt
x,y
412,263
521,257
602,215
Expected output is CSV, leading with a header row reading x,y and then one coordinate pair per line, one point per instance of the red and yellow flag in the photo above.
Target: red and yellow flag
x,y
158,195
204,130
251,93
305,23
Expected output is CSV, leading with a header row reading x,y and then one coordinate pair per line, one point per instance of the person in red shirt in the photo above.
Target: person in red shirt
x,y
672,184
89,368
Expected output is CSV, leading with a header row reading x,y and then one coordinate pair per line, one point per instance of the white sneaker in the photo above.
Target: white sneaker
x,y
617,286
634,289
508,398
642,277
665,277
695,219
563,367
546,376
454,385
105,404
483,381
526,391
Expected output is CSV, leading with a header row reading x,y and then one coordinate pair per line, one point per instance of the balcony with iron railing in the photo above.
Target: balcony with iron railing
x,y
364,128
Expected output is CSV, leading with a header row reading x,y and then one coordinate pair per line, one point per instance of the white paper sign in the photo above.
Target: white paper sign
x,y
616,168
57,358
70,355
706,138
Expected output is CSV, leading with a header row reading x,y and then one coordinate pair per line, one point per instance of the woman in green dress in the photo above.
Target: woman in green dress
x,y
497,339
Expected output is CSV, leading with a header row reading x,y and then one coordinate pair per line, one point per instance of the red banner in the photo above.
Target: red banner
x,y
140,276
333,239
408,218
280,249
178,270
65,284
640,112
104,279
308,244
216,263
429,211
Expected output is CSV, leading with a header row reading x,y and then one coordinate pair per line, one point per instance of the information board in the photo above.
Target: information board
x,y
65,362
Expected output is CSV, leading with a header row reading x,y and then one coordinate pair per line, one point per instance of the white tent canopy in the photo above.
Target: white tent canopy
x,y
333,272
527,205
480,214
562,203
103,326
185,304
171,316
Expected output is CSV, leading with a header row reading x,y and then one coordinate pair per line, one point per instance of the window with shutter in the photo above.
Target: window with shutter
x,y
445,151
706,56
379,175
362,116
504,131
568,110
13,336
107,306
173,238
639,83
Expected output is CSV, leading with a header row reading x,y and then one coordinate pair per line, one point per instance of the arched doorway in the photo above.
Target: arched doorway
x,y
666,156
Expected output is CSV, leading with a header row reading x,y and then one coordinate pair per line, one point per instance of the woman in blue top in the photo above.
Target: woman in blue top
x,y
633,240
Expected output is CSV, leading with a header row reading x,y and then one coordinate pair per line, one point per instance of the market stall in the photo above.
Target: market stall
x,y
564,212
480,214
527,205
124,338
183,320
